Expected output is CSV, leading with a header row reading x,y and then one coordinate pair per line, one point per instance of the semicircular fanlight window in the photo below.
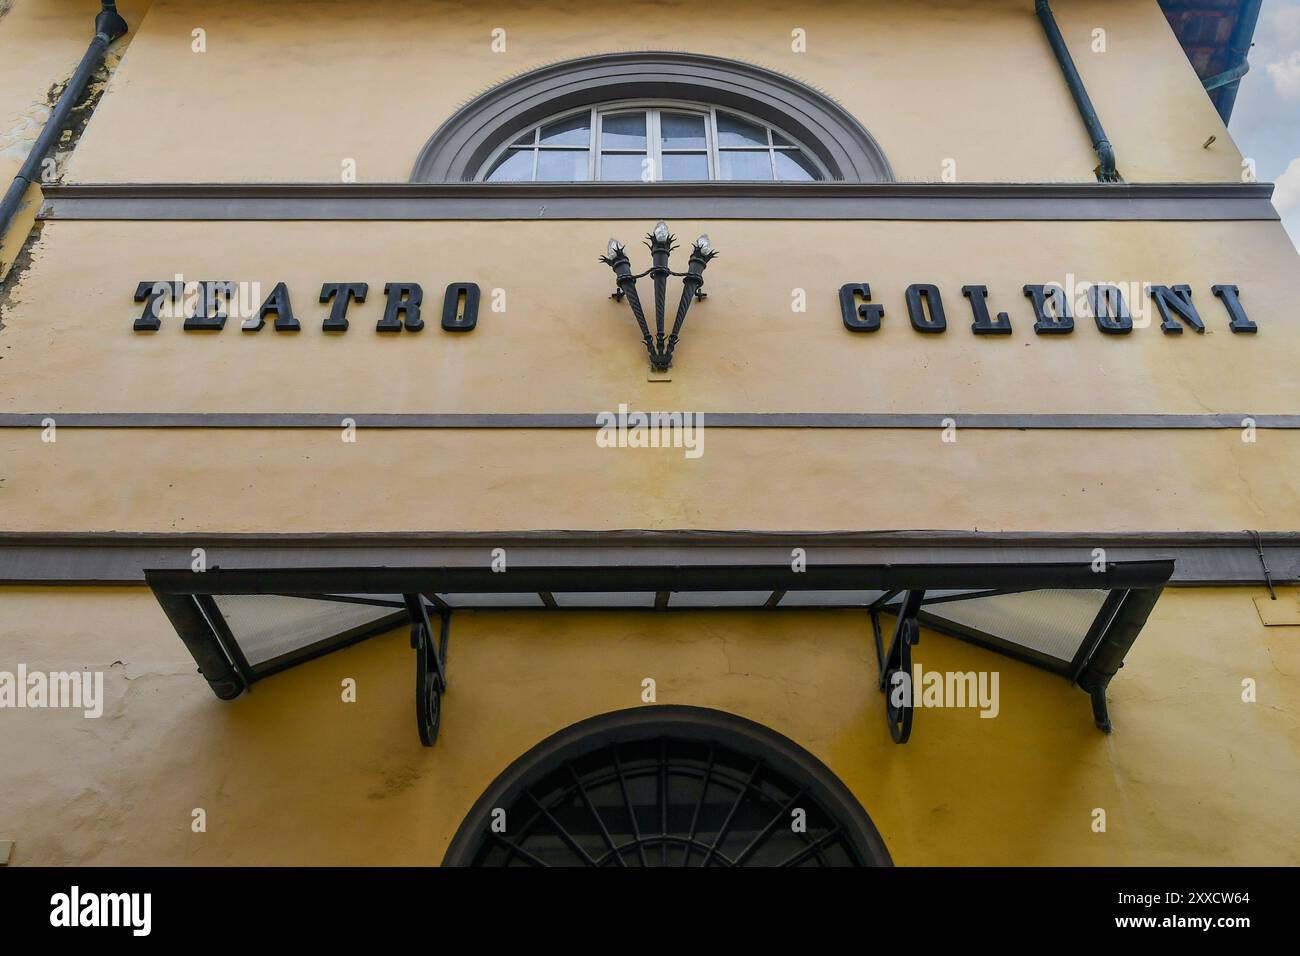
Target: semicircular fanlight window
x,y
664,797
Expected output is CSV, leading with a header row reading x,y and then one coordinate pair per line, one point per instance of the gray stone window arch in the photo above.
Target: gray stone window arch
x,y
457,151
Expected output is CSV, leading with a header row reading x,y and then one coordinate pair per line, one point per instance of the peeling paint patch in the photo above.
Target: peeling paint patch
x,y
81,112
16,142
22,138
14,276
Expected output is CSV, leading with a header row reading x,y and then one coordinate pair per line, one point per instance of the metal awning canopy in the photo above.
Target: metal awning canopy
x,y
1077,620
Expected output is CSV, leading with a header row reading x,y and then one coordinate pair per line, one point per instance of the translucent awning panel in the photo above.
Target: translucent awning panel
x,y
270,627
682,599
830,598
491,599
1053,622
609,599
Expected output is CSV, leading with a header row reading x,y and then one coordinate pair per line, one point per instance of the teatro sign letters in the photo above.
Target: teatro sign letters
x,y
206,305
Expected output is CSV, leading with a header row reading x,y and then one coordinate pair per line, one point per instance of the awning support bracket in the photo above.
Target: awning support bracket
x,y
430,666
896,665
1100,713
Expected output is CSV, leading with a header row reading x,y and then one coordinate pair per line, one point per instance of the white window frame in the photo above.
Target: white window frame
x,y
654,142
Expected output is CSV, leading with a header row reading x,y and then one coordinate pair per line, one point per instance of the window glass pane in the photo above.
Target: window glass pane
x,y
681,130
622,131
745,164
792,166
685,145
734,131
561,165
574,131
515,166
684,167
622,167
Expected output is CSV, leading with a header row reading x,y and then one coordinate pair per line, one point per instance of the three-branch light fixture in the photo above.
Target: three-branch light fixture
x,y
661,243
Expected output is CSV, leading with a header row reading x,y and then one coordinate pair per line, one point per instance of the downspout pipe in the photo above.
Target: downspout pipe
x,y
109,25
1106,171
1238,49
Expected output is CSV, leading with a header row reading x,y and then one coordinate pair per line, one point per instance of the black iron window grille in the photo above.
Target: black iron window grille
x,y
667,786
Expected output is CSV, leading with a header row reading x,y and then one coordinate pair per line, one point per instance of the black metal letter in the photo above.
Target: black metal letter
x,y
210,306
404,299
916,308
1058,321
343,293
983,324
1229,293
1176,299
462,322
1102,298
864,317
152,294
277,302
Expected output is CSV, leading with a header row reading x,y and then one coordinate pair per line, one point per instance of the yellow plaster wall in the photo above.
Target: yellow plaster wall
x,y
224,480
288,91
291,775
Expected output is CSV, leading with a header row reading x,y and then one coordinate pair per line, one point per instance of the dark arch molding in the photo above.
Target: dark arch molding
x,y
684,722
459,147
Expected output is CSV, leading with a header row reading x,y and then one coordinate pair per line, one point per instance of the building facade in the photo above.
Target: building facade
x,y
820,539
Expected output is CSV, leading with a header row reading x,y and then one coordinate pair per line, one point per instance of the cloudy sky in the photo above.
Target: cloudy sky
x,y
1266,120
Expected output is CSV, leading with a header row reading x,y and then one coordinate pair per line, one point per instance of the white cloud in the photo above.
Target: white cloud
x,y
1286,190
1285,75
1284,25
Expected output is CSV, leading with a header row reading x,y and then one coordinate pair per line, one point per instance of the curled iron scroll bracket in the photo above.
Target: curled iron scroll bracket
x,y
896,663
430,666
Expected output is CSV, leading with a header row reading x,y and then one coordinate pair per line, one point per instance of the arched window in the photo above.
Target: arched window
x,y
667,786
652,142
680,117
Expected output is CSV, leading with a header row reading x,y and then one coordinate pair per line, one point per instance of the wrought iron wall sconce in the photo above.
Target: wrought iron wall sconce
x,y
661,243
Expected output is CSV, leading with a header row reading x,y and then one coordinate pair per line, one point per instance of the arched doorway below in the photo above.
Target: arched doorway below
x,y
667,786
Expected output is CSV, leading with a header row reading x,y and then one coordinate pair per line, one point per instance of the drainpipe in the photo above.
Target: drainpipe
x,y
1238,49
109,25
1106,172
